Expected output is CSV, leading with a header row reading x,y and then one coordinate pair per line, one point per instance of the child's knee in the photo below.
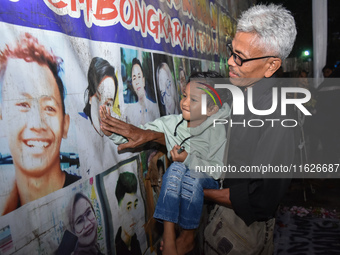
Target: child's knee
x,y
176,169
192,184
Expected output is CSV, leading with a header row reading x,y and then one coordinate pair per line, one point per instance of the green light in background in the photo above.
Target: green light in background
x,y
306,53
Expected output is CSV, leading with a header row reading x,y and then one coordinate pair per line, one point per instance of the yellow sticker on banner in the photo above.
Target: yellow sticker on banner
x,y
115,107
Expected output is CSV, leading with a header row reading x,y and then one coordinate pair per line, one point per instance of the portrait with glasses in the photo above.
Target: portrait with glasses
x,y
182,73
168,96
84,225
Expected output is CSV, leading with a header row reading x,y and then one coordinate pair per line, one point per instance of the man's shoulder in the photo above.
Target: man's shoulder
x,y
70,178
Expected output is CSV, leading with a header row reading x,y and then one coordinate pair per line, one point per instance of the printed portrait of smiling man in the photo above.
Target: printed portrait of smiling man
x,y
33,111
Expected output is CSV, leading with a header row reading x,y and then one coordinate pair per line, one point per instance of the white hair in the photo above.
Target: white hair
x,y
274,27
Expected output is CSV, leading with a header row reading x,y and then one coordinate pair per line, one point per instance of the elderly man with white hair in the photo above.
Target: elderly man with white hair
x,y
264,38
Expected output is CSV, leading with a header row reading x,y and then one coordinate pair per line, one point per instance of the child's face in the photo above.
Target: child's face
x,y
191,104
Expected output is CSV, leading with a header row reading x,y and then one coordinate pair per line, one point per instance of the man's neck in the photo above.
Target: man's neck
x,y
141,101
33,187
126,239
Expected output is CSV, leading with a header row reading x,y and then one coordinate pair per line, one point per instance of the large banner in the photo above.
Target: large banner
x,y
63,185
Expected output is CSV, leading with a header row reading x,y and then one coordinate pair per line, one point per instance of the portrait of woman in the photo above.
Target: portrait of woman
x,y
182,72
102,89
167,91
182,79
83,224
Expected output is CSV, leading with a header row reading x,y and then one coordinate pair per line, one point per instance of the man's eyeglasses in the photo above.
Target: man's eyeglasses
x,y
238,60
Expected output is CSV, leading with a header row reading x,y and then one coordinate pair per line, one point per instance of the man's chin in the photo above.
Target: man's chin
x,y
243,82
33,169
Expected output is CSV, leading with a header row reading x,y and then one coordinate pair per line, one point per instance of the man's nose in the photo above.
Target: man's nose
x,y
231,61
36,119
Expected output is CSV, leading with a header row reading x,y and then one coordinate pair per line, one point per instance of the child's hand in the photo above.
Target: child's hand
x,y
178,157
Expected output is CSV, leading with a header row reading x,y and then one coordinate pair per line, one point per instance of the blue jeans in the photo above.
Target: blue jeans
x,y
181,198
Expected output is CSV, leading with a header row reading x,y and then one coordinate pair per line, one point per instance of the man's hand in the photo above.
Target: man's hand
x,y
218,196
136,136
102,114
178,157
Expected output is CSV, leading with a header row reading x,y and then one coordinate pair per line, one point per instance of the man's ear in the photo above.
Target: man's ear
x,y
212,110
66,125
273,66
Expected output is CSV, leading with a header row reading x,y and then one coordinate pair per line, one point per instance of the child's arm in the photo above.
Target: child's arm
x,y
127,135
179,157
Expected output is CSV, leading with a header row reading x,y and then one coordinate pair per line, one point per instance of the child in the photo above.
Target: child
x,y
181,197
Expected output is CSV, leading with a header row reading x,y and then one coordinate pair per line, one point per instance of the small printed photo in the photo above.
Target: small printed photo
x,y
168,99
182,71
6,241
120,190
195,66
140,104
83,233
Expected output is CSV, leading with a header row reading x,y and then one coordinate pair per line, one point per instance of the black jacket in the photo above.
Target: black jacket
x,y
255,197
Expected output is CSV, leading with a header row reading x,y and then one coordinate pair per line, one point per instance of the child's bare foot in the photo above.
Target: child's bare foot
x,y
185,242
168,248
168,245
161,244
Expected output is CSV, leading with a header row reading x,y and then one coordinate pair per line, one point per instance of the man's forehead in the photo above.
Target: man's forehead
x,y
17,67
243,39
247,43
28,77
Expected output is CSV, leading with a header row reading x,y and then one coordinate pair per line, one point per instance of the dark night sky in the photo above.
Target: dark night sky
x,y
302,12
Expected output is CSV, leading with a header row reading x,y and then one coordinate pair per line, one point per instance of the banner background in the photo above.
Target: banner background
x,y
77,32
